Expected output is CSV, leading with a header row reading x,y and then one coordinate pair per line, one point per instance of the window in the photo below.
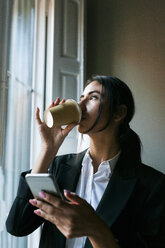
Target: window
x,y
19,102
45,61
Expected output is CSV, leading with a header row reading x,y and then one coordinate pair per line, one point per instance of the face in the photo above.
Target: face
x,y
89,104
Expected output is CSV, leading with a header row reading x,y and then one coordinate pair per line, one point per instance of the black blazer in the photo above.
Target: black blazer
x,y
133,204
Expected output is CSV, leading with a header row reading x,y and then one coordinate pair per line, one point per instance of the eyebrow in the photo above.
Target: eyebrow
x,y
91,92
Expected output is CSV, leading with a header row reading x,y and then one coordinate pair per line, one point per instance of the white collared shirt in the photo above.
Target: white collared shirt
x,y
91,187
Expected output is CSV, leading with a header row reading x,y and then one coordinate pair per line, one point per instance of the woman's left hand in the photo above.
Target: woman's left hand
x,y
74,218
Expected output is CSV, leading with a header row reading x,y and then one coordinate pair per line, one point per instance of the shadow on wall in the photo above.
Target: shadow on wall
x,y
126,39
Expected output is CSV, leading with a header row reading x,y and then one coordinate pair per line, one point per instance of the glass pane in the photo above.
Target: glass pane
x,y
22,41
17,148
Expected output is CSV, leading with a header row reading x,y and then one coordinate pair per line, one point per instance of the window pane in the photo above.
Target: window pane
x,y
17,149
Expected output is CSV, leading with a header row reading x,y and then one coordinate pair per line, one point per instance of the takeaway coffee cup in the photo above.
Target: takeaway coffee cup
x,y
63,114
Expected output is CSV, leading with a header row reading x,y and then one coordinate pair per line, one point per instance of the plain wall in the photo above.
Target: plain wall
x,y
127,39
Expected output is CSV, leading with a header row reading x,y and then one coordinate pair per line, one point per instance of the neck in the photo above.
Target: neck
x,y
103,147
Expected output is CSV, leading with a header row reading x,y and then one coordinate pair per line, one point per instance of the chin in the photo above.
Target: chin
x,y
82,129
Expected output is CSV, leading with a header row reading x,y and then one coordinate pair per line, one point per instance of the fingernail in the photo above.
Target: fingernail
x,y
68,193
37,211
42,194
33,201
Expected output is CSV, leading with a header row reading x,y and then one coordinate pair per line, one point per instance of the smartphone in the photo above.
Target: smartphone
x,y
43,182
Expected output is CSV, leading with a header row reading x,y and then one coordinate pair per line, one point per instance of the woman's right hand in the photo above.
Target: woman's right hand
x,y
52,138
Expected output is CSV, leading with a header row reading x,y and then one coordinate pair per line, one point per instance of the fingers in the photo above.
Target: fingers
x,y
62,101
38,116
56,102
55,201
47,215
44,210
48,199
73,197
49,208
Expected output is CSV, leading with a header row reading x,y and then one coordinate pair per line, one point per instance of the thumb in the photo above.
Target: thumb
x,y
68,128
73,197
39,122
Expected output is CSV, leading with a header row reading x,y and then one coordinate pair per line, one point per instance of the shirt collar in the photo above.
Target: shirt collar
x,y
111,162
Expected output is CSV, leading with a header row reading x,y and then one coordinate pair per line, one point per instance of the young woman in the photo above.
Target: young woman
x,y
111,199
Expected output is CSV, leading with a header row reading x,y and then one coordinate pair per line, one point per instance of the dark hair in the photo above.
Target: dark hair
x,y
119,93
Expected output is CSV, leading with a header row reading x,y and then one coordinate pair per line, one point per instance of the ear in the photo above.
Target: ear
x,y
120,113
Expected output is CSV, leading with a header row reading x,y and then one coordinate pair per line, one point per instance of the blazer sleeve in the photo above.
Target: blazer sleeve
x,y
21,220
152,219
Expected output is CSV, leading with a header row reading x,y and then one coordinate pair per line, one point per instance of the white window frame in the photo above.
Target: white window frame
x,y
42,75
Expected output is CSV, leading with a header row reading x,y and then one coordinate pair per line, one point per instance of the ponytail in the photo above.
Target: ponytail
x,y
130,143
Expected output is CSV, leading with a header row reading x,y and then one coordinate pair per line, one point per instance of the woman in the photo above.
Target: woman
x,y
119,202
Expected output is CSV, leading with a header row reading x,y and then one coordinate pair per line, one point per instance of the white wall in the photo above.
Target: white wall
x,y
127,39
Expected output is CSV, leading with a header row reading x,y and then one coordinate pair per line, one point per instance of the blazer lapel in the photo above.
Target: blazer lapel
x,y
115,198
69,172
118,191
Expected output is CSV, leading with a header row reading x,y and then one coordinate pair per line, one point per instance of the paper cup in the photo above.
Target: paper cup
x,y
63,114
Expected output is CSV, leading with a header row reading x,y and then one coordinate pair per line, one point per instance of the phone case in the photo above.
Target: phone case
x,y
42,182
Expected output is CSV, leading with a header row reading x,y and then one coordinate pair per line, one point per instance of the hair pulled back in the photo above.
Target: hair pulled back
x,y
119,94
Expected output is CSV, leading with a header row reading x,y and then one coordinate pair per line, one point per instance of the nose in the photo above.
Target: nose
x,y
82,105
